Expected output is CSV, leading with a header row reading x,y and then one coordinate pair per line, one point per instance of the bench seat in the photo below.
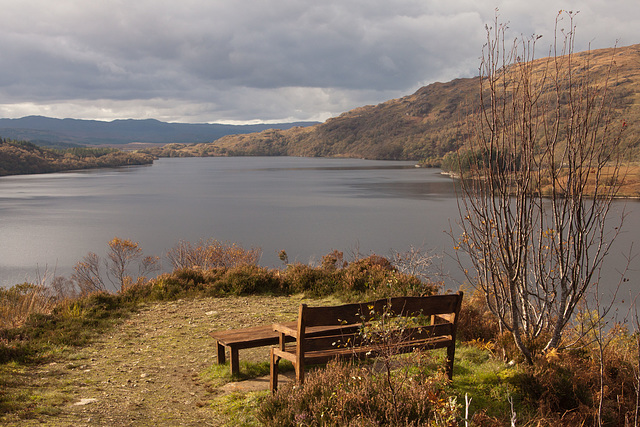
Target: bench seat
x,y
362,352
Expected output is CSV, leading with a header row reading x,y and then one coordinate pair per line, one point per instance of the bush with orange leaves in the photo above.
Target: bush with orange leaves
x,y
210,254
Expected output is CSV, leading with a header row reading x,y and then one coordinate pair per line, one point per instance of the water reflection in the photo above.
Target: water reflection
x,y
408,189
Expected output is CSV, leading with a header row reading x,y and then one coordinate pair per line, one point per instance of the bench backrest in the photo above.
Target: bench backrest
x,y
443,309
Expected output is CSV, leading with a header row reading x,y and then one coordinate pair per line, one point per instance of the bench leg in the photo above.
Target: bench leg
x,y
235,361
451,352
221,355
299,373
273,361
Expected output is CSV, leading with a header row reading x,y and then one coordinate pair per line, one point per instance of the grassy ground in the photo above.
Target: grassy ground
x,y
127,359
157,366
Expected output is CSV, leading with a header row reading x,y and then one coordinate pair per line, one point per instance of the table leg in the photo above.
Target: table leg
x,y
221,355
235,362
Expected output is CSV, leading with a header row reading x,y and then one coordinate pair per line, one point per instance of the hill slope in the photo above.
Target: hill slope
x,y
22,157
422,126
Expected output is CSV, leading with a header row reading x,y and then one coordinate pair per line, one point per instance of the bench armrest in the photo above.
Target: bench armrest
x,y
286,330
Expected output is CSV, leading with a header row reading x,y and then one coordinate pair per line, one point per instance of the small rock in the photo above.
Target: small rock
x,y
86,401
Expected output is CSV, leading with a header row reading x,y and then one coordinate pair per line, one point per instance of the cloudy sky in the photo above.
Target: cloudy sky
x,y
240,61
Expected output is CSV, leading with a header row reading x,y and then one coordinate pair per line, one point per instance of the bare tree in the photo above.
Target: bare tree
x,y
539,172
87,274
123,255
418,262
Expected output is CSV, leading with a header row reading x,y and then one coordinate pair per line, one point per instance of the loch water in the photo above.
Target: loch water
x,y
305,206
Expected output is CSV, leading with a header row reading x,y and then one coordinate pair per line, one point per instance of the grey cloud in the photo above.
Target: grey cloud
x,y
203,60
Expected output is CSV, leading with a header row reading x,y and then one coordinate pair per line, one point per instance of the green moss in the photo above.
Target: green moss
x,y
240,409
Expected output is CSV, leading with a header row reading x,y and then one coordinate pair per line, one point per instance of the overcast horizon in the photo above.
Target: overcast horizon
x,y
259,61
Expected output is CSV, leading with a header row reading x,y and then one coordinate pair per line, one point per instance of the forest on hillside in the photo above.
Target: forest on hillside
x,y
22,157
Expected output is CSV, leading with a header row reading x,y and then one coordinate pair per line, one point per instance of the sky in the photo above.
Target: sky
x,y
260,61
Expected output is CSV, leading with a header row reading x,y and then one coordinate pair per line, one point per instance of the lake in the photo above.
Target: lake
x,y
305,206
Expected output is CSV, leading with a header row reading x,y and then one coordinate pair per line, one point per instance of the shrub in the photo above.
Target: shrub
x,y
123,256
209,254
301,278
70,323
367,274
476,320
20,301
250,279
333,261
351,395
376,277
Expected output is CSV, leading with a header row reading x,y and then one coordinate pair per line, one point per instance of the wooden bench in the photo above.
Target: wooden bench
x,y
257,336
420,322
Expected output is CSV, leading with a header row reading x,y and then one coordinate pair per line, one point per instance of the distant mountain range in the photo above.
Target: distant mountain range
x,y
62,133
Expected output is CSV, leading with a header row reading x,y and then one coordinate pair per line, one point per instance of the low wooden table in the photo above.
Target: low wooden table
x,y
256,336
237,339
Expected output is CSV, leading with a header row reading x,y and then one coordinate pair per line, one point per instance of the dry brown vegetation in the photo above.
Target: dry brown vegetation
x,y
21,301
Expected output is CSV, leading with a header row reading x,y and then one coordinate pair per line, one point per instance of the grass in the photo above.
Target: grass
x,y
31,401
218,375
481,377
237,408
494,389
21,301
240,409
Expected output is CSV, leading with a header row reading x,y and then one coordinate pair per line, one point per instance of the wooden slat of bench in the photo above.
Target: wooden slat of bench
x,y
330,342
327,354
355,337
256,335
354,313
285,329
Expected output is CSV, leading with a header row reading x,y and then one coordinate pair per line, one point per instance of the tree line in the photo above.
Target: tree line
x,y
23,157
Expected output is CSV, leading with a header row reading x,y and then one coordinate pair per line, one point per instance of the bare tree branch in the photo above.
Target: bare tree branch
x,y
539,173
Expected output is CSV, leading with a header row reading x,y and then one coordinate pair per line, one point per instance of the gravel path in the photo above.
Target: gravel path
x,y
146,371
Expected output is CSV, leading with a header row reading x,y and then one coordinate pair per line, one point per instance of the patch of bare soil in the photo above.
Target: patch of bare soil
x,y
146,371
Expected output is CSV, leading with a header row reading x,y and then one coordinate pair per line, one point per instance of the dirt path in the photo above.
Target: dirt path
x,y
146,371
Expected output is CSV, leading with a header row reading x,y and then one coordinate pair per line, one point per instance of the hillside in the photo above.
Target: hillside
x,y
22,157
58,132
423,126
